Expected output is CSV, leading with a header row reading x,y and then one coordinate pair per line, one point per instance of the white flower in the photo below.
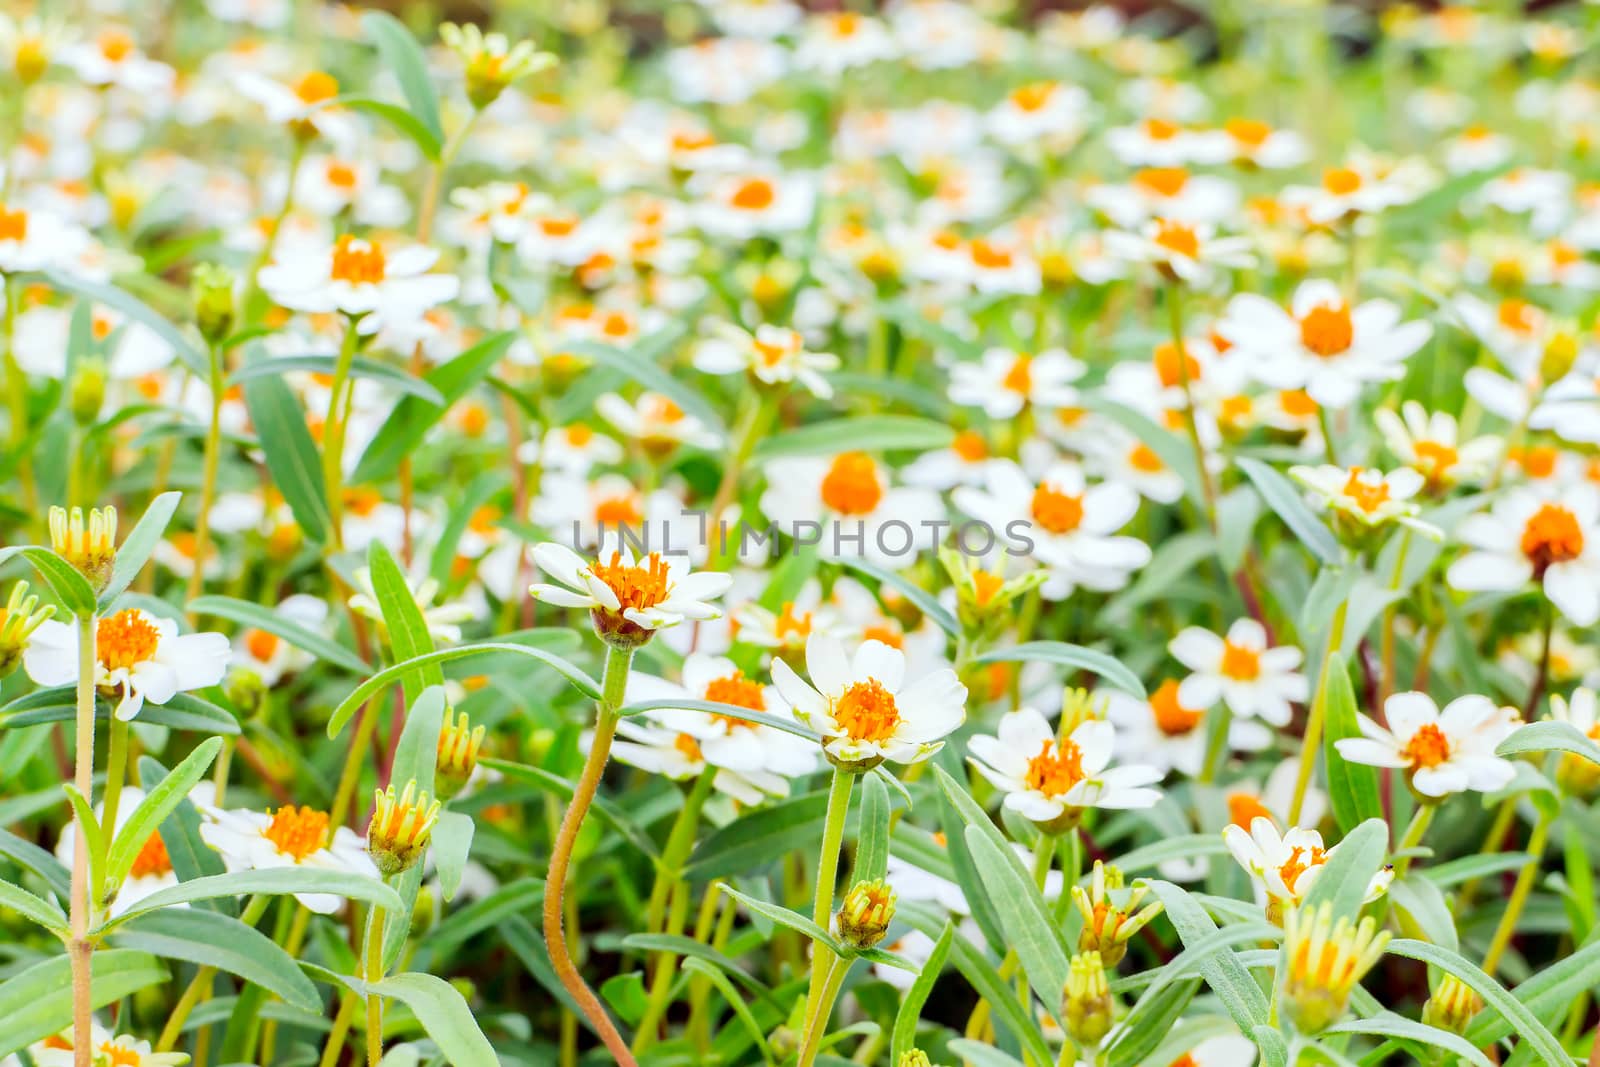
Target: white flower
x,y
288,837
1528,536
305,101
863,707
1045,777
650,594
113,59
742,206
859,512
1284,867
1181,251
1253,680
1431,445
37,240
269,656
1442,752
1165,193
1366,498
656,422
1258,144
138,657
1171,736
1320,343
1041,111
1004,381
124,1050
835,41
772,355
360,278
1362,187
1158,142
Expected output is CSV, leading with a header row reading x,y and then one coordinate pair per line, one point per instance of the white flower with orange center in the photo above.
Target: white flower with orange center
x,y
832,42
571,450
1219,1050
965,462
1285,866
1049,779
335,186
1165,193
1361,186
1254,680
123,1050
1170,735
630,599
787,626
863,706
1071,525
1160,142
289,836
269,656
1442,752
657,423
1119,457
138,657
152,867
772,355
1042,112
1530,536
1431,445
1320,343
1570,408
377,285
443,619
1189,252
723,70
1362,498
1476,148
860,512
113,58
37,240
1258,144
300,102
1004,381
741,206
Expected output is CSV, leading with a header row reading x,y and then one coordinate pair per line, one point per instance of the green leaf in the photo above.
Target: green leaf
x,y
910,1013
638,364
859,433
191,857
426,139
184,711
213,940
1182,847
444,1015
731,711
1342,881
292,456
452,844
689,947
741,1009
872,847
135,549
1024,917
924,600
1523,1022
981,1055
155,807
1223,971
759,837
625,993
38,1002
31,857
403,56
1424,911
1388,1024
275,880
1352,787
604,809
1550,990
781,915
360,367
190,354
1174,452
1549,736
1150,1022
47,913
403,624
70,587
1075,656
93,835
958,811
275,623
413,417
1286,502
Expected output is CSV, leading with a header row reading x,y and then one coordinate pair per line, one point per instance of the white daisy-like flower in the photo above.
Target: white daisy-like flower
x,y
37,240
269,656
656,422
1442,752
123,1050
1360,187
1180,251
1320,343
863,706
1531,536
1043,111
860,513
1169,735
1005,381
1284,866
1165,193
1430,444
113,58
1255,681
1051,780
1363,498
629,599
772,355
741,206
384,288
832,42
443,620
305,101
1160,142
1257,144
288,837
138,657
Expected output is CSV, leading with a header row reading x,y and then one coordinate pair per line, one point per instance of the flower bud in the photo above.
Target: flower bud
x,y
20,617
212,289
459,742
492,63
868,909
1086,1004
1452,1005
1326,960
86,390
915,1057
245,690
1108,924
90,547
1560,353
1078,706
400,827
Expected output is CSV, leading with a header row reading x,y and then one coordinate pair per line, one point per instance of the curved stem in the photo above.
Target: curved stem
x,y
817,1021
1519,895
80,949
1319,706
615,683
341,1027
1386,684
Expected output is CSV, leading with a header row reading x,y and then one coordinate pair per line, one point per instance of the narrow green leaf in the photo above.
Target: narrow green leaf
x,y
731,711
189,353
272,622
1342,881
1388,1024
47,913
1352,787
136,547
1075,656
784,917
910,1013
404,57
426,140
213,940
860,433
872,847
605,810
403,625
38,1002
180,832
70,587
1024,917
1523,1022
155,807
452,844
292,456
274,880
924,600
360,367
444,1015
1286,502
1549,736
1223,971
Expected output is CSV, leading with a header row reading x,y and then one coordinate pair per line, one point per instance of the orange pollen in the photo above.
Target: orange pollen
x,y
1240,663
316,87
1172,718
1518,316
1297,403
1162,181
1056,769
260,644
970,446
357,263
1538,461
558,227
1428,747
867,712
1369,496
1019,379
1057,512
754,194
13,224
1435,457
115,45
690,747
1161,129
152,859
1246,808
579,435
1340,181
1186,1060
738,690
362,501
125,639
1250,132
341,175
618,511
1169,370
985,586
770,355
297,832
1551,536
119,1055
885,634
846,24
790,624
851,486
1295,865
1176,237
988,255
1033,97
636,587
1143,458
1327,329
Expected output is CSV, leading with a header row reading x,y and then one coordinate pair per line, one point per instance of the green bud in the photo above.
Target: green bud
x,y
86,391
212,290
868,909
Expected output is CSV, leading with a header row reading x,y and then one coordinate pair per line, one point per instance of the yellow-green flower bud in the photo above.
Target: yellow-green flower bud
x,y
400,828
90,546
868,909
1326,960
1111,915
459,743
492,63
20,617
1452,1005
915,1057
86,390
212,290
245,690
1086,1004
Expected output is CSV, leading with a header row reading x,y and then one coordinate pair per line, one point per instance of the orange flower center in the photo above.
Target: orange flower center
x,y
1172,365
125,639
1057,512
260,644
1250,132
1178,238
1297,403
867,712
1327,329
297,832
152,859
13,224
579,435
1435,457
1162,181
637,587
690,747
1340,181
754,194
970,446
1428,747
1246,808
1551,536
985,586
1240,663
1033,97
739,691
988,255
357,262
1368,495
1186,1060
1518,316
1299,862
1056,769
119,1055
851,486
884,633
115,45
1161,129
341,175
1172,718
618,511
316,87
1019,379
789,624
1143,458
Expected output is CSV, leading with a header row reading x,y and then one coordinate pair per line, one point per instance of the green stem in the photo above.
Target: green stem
x,y
116,775
372,973
757,416
822,957
1217,745
208,480
1175,316
1413,836
80,949
817,1022
333,434
252,285
200,985
1519,895
1319,707
1387,685
341,1027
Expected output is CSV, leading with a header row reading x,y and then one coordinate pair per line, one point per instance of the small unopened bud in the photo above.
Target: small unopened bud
x,y
89,546
1452,1005
245,690
86,390
868,909
915,1057
1111,915
492,63
20,617
1326,960
1086,1003
400,828
212,289
32,58
459,742
1078,706
1560,354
